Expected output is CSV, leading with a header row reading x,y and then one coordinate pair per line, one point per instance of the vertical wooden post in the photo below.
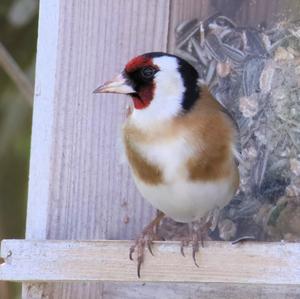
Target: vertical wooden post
x,y
79,188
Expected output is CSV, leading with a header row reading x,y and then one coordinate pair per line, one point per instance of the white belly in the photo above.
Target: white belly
x,y
178,197
187,201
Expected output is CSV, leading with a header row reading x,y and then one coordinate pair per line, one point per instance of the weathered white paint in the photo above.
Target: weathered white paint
x,y
250,263
42,124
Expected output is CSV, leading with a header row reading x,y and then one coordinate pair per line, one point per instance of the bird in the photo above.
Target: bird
x,y
180,143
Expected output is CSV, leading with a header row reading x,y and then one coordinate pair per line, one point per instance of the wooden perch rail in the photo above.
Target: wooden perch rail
x,y
250,263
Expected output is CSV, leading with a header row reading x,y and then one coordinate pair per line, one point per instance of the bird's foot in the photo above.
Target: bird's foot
x,y
198,232
146,238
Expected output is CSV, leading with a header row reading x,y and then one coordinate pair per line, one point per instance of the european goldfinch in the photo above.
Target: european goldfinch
x,y
180,142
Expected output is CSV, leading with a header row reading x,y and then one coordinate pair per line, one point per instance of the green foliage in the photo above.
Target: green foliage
x,y
15,128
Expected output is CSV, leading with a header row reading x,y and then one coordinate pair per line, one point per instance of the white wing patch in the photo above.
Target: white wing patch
x,y
168,95
170,156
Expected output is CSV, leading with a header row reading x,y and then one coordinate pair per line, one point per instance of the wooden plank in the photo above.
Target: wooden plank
x,y
201,291
79,188
42,124
149,290
220,262
88,191
39,187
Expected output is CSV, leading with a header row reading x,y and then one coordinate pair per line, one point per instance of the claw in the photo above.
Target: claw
x,y
197,233
202,241
144,239
182,248
194,258
195,247
149,243
140,261
131,251
184,243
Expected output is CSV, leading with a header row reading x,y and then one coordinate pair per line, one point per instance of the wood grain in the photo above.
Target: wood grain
x,y
91,190
201,291
78,175
220,262
166,290
79,188
42,124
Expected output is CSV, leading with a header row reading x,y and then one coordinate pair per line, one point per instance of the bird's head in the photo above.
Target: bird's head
x,y
161,85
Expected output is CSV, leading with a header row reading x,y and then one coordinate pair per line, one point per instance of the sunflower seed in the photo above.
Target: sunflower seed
x,y
251,74
254,43
234,54
186,37
225,22
210,72
200,52
214,47
187,56
218,23
186,26
202,34
210,20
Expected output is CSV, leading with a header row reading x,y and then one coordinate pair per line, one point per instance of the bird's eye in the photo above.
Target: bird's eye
x,y
148,72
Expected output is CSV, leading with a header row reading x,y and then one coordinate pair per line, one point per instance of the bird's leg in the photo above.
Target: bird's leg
x,y
145,239
198,231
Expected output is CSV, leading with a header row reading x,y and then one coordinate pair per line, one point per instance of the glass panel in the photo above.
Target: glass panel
x,y
250,59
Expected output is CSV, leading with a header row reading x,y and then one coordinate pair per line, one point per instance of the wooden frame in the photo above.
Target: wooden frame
x,y
74,193
251,263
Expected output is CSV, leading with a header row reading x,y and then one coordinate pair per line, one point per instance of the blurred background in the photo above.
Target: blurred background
x,y
18,36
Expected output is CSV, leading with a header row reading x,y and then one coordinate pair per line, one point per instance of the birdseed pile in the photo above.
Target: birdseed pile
x,y
255,74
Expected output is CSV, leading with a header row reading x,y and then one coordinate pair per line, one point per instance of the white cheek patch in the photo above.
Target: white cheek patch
x,y
168,94
168,80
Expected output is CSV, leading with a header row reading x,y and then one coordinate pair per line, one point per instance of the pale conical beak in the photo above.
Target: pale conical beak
x,y
117,85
